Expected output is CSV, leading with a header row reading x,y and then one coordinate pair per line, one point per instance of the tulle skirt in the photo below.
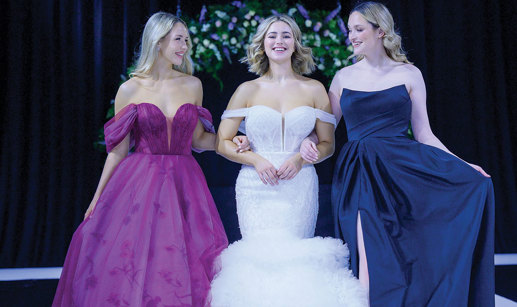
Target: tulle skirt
x,y
151,241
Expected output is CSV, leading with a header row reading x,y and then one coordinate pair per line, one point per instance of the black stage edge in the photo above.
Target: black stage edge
x,y
506,281
35,293
28,293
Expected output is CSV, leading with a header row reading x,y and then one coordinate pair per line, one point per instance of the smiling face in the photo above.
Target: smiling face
x,y
363,35
279,42
174,45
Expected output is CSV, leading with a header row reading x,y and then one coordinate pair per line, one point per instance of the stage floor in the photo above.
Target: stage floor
x,y
36,286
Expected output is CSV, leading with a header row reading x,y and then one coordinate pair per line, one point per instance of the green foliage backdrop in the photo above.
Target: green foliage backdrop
x,y
221,34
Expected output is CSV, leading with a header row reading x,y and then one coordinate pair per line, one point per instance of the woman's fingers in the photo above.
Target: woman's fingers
x,y
261,176
479,169
314,152
482,171
281,171
310,150
273,178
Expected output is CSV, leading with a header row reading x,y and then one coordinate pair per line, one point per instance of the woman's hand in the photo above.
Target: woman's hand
x,y
309,151
266,171
479,169
290,168
242,143
90,208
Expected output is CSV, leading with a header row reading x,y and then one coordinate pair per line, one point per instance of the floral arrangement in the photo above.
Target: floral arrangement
x,y
222,33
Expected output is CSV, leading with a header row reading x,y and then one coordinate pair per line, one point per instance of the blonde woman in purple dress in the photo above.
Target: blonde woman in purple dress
x,y
152,232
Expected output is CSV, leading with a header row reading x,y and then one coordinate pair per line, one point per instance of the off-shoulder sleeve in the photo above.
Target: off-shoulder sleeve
x,y
206,119
116,129
326,117
243,112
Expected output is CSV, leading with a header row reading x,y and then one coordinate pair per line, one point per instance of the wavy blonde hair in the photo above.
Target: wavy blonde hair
x,y
156,28
379,16
257,60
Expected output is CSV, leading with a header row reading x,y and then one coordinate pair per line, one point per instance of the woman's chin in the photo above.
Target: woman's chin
x,y
280,58
357,52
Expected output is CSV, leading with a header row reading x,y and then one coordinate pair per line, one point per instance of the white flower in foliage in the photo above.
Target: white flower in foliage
x,y
220,14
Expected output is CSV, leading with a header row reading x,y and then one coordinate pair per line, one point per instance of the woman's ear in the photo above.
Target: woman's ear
x,y
381,33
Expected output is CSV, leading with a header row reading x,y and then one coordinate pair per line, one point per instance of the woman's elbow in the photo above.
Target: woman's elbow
x,y
423,136
219,146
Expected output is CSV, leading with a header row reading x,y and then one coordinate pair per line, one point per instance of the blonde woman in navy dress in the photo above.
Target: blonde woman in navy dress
x,y
418,220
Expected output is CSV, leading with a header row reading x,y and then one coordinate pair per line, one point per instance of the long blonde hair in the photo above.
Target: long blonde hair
x,y
301,60
156,28
379,16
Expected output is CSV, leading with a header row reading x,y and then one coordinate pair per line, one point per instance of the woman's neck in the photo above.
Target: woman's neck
x,y
377,59
280,71
162,70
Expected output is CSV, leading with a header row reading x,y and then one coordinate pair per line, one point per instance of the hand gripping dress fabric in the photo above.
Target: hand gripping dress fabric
x,y
427,217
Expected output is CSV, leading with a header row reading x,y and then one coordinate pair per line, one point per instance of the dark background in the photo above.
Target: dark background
x,y
63,62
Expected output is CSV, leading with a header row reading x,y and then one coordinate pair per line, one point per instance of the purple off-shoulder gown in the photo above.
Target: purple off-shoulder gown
x,y
155,233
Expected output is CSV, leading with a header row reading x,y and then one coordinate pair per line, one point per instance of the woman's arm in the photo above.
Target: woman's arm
x,y
335,90
201,139
228,130
324,132
419,118
308,148
118,153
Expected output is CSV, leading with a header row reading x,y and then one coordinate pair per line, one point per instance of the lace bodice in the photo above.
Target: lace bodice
x,y
278,262
271,131
291,206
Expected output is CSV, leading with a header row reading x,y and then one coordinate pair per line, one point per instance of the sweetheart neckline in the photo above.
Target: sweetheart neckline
x,y
160,110
275,110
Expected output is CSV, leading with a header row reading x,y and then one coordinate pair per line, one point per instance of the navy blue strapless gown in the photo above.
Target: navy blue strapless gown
x,y
427,217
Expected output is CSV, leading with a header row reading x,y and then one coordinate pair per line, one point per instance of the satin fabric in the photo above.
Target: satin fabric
x,y
427,217
155,233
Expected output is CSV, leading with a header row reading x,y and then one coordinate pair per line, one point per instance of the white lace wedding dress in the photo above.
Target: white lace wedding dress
x,y
279,262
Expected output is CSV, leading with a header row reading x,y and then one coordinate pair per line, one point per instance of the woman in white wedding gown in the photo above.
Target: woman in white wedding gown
x,y
279,262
